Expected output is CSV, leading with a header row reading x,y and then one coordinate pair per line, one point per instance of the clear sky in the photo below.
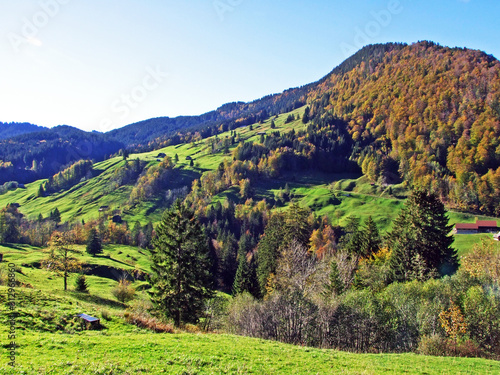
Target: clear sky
x,y
103,64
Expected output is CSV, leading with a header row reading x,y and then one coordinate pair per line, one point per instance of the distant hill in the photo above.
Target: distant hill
x,y
12,129
41,154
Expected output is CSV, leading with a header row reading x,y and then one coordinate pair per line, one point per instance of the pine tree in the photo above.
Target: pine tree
x,y
280,232
148,234
370,238
273,125
41,191
268,250
94,245
81,284
305,118
422,231
352,241
246,274
55,216
181,278
335,286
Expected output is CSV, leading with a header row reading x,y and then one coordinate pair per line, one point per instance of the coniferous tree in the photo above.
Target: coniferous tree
x,y
370,238
41,191
281,231
181,278
246,274
148,234
268,250
81,284
94,245
305,118
352,241
55,216
420,240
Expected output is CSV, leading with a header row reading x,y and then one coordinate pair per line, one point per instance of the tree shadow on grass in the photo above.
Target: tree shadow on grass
x,y
90,298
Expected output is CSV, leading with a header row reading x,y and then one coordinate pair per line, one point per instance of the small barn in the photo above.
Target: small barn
x,y
89,322
480,226
465,228
487,226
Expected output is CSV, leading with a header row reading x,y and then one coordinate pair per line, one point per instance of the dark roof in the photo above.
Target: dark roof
x,y
88,318
478,225
486,223
467,226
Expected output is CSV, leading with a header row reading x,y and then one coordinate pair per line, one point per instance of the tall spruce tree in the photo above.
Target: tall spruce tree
x,y
370,238
281,230
420,236
94,245
181,265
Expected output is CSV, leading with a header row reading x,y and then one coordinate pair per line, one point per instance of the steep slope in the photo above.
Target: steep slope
x,y
235,114
428,113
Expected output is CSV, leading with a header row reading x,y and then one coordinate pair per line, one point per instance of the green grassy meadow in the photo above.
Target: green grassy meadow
x,y
50,343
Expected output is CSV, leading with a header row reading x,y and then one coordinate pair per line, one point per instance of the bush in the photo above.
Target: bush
x,y
124,291
432,345
106,315
438,346
144,320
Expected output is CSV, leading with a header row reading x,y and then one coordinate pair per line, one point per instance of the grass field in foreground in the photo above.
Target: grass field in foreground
x,y
148,353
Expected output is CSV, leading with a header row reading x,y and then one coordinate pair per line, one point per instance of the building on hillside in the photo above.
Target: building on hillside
x,y
480,226
89,322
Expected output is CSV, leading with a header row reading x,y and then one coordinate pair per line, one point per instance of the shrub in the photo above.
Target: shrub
x,y
432,345
106,315
124,291
438,346
145,320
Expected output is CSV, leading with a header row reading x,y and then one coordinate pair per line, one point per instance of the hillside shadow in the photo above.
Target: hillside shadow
x,y
90,298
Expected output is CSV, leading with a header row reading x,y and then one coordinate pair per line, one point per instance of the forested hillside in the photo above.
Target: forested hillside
x,y
422,114
41,154
425,113
12,129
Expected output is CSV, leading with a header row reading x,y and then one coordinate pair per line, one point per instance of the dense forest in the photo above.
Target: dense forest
x,y
32,156
12,129
428,113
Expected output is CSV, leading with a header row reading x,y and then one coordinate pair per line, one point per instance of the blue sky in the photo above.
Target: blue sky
x,y
99,65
